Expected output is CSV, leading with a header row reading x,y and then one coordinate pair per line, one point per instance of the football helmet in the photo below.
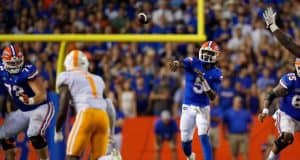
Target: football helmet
x,y
209,51
297,66
76,59
12,59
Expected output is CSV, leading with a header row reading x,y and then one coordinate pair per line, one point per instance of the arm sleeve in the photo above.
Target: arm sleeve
x,y
31,71
187,63
62,78
287,42
286,80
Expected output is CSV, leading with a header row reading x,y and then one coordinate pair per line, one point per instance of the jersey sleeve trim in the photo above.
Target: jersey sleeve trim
x,y
282,83
33,75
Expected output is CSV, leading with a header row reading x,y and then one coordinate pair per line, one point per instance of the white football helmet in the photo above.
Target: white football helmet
x,y
76,59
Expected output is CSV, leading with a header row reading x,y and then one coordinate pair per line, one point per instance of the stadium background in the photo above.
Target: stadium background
x,y
251,58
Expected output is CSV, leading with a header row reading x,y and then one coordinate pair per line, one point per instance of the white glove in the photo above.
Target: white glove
x,y
116,154
270,16
58,136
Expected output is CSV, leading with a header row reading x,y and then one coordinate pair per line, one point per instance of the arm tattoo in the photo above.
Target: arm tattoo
x,y
278,91
287,42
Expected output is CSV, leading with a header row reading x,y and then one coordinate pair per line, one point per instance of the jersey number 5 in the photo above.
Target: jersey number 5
x,y
296,101
14,89
197,86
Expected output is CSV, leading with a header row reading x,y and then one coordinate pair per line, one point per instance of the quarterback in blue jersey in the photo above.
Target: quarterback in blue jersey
x,y
202,79
288,115
29,95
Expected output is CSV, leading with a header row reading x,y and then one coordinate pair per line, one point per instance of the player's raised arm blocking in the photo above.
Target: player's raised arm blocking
x,y
270,19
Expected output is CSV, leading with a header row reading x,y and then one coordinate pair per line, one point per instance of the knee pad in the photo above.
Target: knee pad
x,y
8,144
284,140
38,142
186,135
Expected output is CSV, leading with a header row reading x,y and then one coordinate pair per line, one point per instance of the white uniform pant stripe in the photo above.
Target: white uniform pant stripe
x,y
48,119
72,136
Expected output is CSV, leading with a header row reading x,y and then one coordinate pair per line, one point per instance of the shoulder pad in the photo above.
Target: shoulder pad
x,y
29,71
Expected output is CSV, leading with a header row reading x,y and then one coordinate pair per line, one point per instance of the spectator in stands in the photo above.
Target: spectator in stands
x,y
127,100
160,95
226,94
214,130
253,100
265,80
162,11
237,121
237,39
165,130
177,100
142,95
223,32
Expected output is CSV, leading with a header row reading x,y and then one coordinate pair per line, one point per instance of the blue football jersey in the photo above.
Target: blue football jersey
x,y
290,104
16,84
194,94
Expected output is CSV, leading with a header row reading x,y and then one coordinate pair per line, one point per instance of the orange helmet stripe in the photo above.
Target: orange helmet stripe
x,y
75,59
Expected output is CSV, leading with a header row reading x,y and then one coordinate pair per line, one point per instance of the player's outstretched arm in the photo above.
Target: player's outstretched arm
x,y
40,93
270,19
278,91
174,65
206,88
64,99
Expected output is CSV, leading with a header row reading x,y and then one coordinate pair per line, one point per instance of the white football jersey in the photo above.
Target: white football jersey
x,y
86,89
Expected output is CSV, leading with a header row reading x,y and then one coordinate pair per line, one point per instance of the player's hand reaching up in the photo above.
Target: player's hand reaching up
x,y
270,16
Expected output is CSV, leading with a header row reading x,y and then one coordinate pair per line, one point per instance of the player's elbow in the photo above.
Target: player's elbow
x,y
212,97
42,97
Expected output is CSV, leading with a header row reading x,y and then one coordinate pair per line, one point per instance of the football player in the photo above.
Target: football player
x,y
270,19
28,94
288,115
202,79
8,144
85,90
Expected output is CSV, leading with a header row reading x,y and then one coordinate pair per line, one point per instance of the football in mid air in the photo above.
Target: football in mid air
x,y
143,18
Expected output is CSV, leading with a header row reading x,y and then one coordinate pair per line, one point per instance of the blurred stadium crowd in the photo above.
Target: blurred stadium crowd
x,y
136,73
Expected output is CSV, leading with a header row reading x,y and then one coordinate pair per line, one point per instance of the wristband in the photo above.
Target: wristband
x,y
31,101
273,27
265,111
205,86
